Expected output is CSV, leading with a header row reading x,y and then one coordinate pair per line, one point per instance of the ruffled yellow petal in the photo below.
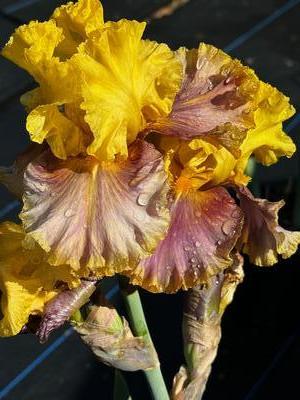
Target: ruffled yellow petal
x,y
126,82
197,164
27,282
32,47
77,21
63,136
267,140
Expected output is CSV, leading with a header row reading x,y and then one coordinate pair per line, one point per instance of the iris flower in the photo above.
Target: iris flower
x,y
138,162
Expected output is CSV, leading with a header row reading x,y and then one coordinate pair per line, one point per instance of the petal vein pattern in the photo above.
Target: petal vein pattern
x,y
98,218
203,230
215,99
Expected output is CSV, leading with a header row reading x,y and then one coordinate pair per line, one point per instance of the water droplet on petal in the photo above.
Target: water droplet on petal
x,y
42,187
226,227
142,199
197,244
69,213
235,213
200,62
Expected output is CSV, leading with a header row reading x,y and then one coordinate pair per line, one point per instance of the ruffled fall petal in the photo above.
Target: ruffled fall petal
x,y
262,238
267,140
59,310
27,282
216,98
100,217
13,177
63,136
126,82
203,230
77,21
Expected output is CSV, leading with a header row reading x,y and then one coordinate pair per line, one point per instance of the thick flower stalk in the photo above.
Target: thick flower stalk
x,y
137,167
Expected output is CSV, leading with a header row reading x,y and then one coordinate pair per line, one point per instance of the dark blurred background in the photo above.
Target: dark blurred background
x,y
260,349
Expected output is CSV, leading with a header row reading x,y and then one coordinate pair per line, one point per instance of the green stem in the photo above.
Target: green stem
x,y
139,327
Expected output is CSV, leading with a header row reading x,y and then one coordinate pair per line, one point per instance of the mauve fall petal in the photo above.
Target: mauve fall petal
x,y
97,217
203,230
263,239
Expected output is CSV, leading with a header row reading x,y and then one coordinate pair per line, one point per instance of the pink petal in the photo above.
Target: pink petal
x,y
263,239
211,100
204,228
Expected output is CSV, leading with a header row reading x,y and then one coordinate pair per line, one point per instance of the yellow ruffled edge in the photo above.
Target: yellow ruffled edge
x,y
27,282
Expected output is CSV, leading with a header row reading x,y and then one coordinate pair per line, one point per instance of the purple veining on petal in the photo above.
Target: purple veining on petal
x,y
204,228
211,100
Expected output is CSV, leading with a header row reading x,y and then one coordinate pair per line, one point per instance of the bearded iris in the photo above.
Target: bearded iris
x,y
137,165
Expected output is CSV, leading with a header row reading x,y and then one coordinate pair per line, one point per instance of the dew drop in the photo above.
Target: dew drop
x,y
218,242
197,244
235,213
42,187
193,260
226,227
200,63
69,213
186,248
142,199
210,85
